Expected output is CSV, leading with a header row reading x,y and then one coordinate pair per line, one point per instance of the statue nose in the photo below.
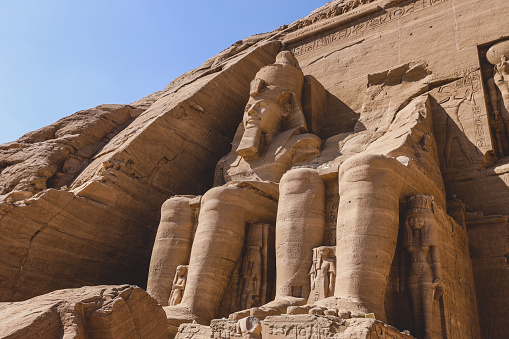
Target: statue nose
x,y
253,111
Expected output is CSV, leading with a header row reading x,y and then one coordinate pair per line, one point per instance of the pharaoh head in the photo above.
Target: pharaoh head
x,y
181,269
274,97
324,252
419,217
419,211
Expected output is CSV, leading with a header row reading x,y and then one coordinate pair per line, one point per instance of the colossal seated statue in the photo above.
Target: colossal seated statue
x,y
273,139
275,174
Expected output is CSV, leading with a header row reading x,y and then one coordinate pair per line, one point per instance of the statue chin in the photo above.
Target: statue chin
x,y
250,143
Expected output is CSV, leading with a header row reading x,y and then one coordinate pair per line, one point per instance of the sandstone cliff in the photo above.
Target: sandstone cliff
x,y
80,199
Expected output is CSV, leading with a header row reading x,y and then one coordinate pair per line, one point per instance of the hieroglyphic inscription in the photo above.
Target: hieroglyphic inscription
x,y
309,330
469,77
306,327
224,329
472,78
331,210
385,17
333,11
480,141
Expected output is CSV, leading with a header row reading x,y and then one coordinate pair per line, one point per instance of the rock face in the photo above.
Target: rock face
x,y
351,164
88,312
101,229
53,156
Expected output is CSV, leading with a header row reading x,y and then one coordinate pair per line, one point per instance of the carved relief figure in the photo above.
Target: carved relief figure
x,y
424,270
498,88
178,286
250,278
455,130
322,274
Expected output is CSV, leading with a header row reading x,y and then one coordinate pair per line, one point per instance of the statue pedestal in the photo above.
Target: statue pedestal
x,y
297,326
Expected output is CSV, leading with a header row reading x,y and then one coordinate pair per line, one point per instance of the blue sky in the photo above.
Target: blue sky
x,y
61,56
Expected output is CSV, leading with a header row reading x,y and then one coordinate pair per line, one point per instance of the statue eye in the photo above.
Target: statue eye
x,y
263,104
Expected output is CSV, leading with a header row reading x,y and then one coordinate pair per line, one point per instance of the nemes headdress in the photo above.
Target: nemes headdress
x,y
284,74
283,79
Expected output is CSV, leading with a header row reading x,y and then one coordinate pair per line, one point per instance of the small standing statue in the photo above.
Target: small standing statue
x,y
322,274
498,89
179,283
420,242
250,278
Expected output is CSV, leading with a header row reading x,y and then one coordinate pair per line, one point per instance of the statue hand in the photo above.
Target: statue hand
x,y
438,286
402,287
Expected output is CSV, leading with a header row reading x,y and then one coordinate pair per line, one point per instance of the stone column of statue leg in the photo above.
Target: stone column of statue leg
x,y
367,231
172,246
300,227
218,244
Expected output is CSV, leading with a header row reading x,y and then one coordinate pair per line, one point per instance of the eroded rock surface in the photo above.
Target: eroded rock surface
x,y
89,312
53,156
385,142
100,229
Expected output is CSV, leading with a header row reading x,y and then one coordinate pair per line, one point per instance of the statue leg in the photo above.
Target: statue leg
x,y
368,224
300,227
217,248
427,308
172,246
415,289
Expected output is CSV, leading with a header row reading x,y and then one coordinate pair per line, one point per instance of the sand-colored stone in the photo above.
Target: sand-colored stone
x,y
89,312
374,128
100,229
296,326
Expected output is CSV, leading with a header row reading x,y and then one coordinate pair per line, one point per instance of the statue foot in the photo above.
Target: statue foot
x,y
339,307
177,315
275,307
319,310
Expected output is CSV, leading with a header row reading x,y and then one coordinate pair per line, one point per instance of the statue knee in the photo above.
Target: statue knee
x,y
375,168
176,203
300,180
221,193
299,173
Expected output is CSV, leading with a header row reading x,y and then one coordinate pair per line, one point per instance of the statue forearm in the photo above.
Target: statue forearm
x,y
437,267
492,91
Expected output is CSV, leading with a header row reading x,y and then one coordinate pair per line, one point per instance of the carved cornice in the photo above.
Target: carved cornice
x,y
334,16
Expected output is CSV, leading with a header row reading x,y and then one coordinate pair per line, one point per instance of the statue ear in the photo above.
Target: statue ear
x,y
255,87
285,100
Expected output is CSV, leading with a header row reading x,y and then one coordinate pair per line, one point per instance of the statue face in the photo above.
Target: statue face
x,y
417,221
324,252
264,113
263,118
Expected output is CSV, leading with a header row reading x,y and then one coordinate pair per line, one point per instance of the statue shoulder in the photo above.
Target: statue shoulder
x,y
305,147
299,140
